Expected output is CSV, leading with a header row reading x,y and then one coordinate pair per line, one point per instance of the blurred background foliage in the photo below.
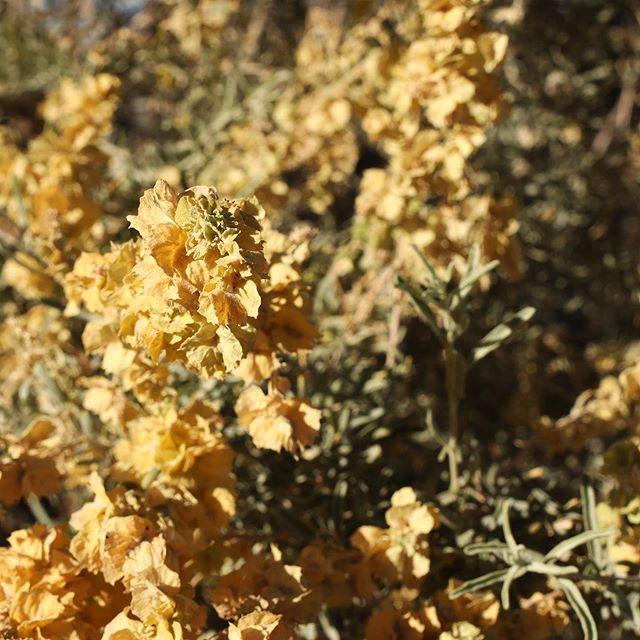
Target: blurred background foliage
x,y
202,84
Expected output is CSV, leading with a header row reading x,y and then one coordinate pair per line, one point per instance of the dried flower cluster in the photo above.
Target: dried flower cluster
x,y
223,420
419,83
48,189
190,290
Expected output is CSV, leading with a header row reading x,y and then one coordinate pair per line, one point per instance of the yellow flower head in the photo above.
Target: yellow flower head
x,y
194,287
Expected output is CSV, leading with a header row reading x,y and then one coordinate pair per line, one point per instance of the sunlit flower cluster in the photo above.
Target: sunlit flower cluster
x,y
399,553
276,421
48,190
406,96
244,348
599,412
190,289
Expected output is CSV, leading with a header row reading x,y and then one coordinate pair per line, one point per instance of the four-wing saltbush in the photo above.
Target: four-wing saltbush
x,y
221,412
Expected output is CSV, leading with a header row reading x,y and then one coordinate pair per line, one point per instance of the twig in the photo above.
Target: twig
x,y
618,119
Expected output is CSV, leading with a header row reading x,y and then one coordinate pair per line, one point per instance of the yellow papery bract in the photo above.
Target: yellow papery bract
x,y
284,324
200,287
119,536
462,631
401,552
150,581
31,463
183,450
480,608
374,117
336,575
56,176
27,276
622,462
390,624
43,591
82,112
264,582
277,422
87,521
192,289
433,618
122,627
544,615
602,411
260,625
104,538
194,25
123,537
425,96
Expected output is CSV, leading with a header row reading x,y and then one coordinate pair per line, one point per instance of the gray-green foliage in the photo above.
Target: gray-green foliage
x,y
522,560
443,305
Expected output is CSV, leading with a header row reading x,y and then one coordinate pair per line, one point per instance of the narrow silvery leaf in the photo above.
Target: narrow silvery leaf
x,y
633,602
373,415
551,569
512,573
448,274
24,218
575,541
473,262
433,431
474,258
476,584
422,306
469,280
38,510
506,527
486,547
491,341
426,263
524,315
578,604
590,521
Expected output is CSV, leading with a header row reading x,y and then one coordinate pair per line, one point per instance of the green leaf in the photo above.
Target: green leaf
x,y
415,293
469,279
575,541
492,340
426,263
578,604
477,584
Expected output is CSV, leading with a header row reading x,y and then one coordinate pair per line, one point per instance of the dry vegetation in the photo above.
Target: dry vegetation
x,y
319,319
